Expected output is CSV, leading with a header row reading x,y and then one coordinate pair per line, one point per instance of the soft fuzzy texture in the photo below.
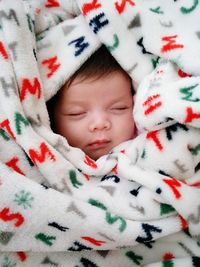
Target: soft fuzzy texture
x,y
137,206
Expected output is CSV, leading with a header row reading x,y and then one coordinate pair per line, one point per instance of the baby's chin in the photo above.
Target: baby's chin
x,y
95,155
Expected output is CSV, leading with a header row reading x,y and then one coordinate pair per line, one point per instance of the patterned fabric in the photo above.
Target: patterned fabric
x,y
137,206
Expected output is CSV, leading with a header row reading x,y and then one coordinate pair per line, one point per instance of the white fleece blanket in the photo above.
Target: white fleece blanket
x,y
137,206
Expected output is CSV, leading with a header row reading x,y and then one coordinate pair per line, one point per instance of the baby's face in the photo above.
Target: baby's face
x,y
96,114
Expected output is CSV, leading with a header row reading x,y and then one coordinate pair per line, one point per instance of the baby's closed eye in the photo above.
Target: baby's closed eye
x,y
75,113
119,108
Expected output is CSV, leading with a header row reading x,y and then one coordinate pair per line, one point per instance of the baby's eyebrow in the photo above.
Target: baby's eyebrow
x,y
121,98
72,106
77,102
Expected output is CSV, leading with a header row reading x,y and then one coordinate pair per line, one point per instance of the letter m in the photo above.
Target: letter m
x,y
27,87
10,16
40,156
80,45
52,64
148,238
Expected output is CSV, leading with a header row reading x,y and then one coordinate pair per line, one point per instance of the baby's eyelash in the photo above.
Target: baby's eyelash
x,y
120,108
76,114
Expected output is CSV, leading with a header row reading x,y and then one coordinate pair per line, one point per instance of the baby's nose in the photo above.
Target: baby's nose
x,y
100,122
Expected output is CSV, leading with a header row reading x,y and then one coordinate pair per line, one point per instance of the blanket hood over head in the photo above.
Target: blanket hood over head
x,y
140,204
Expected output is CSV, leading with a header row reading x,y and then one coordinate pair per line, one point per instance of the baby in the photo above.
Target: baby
x,y
93,110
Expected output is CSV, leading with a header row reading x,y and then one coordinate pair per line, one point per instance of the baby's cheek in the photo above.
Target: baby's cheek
x,y
129,127
77,133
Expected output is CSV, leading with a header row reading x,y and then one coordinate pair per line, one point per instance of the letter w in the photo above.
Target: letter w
x,y
171,43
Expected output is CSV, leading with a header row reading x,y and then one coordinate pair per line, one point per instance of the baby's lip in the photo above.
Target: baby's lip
x,y
99,143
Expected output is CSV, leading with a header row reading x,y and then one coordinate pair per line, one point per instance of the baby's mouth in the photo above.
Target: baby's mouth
x,y
98,144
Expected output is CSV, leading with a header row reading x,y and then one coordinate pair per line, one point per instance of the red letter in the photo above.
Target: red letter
x,y
114,170
153,107
52,3
3,51
168,256
6,217
171,43
5,124
41,155
120,7
90,162
90,6
183,222
13,164
32,89
173,184
22,256
153,135
52,66
183,74
93,241
191,116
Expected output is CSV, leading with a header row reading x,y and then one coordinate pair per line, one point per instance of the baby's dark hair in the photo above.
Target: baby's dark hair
x,y
98,65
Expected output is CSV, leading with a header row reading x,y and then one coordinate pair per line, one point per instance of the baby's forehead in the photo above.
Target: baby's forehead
x,y
110,81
